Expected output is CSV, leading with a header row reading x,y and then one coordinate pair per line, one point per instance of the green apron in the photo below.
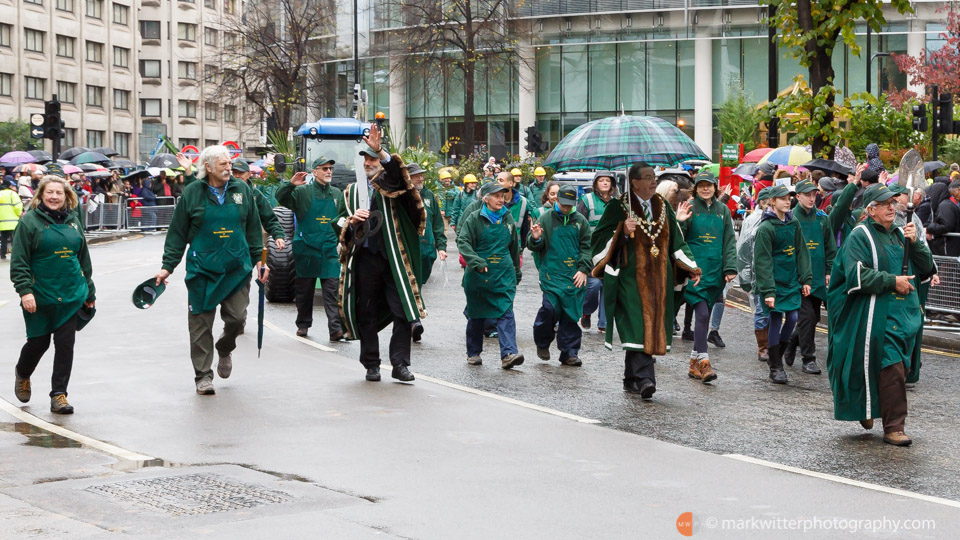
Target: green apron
x,y
785,272
218,262
315,242
59,286
558,265
813,235
490,294
904,315
705,238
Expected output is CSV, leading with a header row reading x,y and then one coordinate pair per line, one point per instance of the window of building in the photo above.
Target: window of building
x,y
38,2
187,70
150,29
69,138
150,68
121,57
121,143
94,138
229,113
210,4
66,92
230,39
210,73
189,142
5,31
35,88
211,142
121,14
94,52
33,40
65,46
94,96
6,84
186,32
65,5
210,36
150,107
210,110
95,9
229,6
187,108
121,100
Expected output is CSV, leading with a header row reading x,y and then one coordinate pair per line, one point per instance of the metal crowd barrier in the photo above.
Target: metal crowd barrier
x,y
103,216
149,218
945,297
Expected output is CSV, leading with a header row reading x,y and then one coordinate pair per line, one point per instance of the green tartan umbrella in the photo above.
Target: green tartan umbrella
x,y
620,141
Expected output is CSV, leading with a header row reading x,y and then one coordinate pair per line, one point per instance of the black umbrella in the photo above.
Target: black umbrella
x,y
828,166
136,175
164,161
71,153
928,166
89,157
106,150
88,167
247,160
42,156
749,169
124,163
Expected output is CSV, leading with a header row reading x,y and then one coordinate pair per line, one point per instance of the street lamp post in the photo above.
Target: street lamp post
x,y
870,72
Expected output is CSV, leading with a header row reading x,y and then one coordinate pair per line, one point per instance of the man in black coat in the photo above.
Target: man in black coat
x,y
937,192
947,220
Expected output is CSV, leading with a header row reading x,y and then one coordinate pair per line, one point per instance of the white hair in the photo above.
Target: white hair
x,y
209,156
663,188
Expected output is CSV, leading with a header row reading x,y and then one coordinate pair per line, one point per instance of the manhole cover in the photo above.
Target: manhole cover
x,y
191,494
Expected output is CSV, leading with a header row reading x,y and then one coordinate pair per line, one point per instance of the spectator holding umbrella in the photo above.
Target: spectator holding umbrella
x,y
52,273
149,200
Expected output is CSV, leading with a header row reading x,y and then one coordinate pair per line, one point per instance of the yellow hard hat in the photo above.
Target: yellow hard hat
x,y
539,171
516,172
444,175
469,179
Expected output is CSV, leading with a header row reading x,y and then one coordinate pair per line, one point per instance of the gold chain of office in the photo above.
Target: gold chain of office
x,y
650,228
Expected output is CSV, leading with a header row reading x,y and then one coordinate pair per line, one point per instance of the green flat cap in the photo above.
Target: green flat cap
x,y
805,186
321,161
146,294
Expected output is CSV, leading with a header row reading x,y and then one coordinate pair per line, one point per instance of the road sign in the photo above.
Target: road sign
x,y
731,152
37,119
191,152
234,149
36,132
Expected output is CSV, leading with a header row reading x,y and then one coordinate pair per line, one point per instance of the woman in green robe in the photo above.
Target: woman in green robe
x,y
874,317
51,271
781,266
709,233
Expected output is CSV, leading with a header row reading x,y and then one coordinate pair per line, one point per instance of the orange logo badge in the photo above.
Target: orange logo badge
x,y
685,524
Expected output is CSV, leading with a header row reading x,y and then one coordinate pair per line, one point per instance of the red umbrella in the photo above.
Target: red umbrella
x,y
754,156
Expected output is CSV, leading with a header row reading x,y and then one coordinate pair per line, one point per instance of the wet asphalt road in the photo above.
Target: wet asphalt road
x,y
741,413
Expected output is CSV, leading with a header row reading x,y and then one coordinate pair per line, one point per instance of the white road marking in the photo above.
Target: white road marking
x,y
277,329
847,481
107,448
128,268
3,303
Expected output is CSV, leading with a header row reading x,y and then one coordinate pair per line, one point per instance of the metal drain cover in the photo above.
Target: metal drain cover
x,y
190,494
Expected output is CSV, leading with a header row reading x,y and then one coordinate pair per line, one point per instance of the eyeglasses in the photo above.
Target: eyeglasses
x,y
328,168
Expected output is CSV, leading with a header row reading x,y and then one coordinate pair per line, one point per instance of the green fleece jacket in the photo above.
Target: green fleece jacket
x,y
550,221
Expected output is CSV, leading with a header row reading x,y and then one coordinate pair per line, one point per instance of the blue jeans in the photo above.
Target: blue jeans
x,y
569,335
760,321
594,300
506,334
717,314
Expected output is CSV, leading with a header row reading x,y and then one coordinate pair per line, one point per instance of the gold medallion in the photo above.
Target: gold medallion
x,y
655,251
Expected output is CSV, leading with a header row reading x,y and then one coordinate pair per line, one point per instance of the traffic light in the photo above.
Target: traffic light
x,y
773,132
945,114
535,143
52,123
920,117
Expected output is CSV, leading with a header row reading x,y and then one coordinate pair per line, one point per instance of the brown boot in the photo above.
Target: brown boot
x,y
706,372
762,353
897,438
694,372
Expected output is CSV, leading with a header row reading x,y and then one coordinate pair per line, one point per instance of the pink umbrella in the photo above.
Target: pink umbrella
x,y
71,169
255,170
754,156
18,156
29,168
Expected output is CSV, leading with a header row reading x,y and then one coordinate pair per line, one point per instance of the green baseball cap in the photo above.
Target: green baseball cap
x,y
146,293
239,166
55,169
777,191
764,194
805,186
369,152
321,161
567,195
705,176
897,189
877,193
490,188
84,315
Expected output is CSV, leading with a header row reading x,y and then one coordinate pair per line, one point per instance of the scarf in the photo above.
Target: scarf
x,y
59,216
494,217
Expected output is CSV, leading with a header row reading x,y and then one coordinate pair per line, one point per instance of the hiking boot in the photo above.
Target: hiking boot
x,y
777,375
21,387
585,321
762,353
676,328
706,372
373,374
811,367
687,335
867,424
402,374
897,438
790,351
511,360
475,360
302,332
336,337
205,387
714,337
59,405
543,354
694,372
225,366
572,361
647,389
491,335
417,331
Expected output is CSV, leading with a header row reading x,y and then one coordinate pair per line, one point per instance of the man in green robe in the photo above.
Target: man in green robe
x,y
218,219
641,255
380,275
560,242
874,317
822,249
316,206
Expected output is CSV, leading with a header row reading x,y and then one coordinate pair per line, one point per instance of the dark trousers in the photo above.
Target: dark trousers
x,y
304,289
639,365
568,332
892,387
377,292
506,328
6,237
63,340
806,333
702,316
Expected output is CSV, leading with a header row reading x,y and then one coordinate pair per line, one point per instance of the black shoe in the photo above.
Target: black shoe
x,y
631,386
676,328
543,354
585,321
417,331
714,337
402,374
647,389
811,367
572,361
777,375
687,335
373,374
336,337
790,351
302,332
